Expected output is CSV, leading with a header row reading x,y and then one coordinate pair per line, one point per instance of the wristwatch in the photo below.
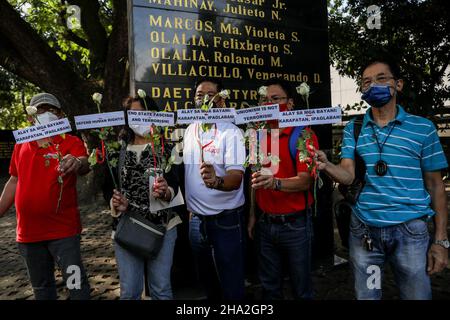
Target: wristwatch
x,y
277,184
443,243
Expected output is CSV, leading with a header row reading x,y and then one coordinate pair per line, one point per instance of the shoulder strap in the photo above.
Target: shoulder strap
x,y
122,154
357,125
360,166
293,138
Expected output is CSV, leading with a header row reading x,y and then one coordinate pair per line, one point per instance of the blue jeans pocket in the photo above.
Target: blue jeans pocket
x,y
416,228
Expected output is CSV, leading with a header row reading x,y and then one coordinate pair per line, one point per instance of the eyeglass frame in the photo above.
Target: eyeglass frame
x,y
364,87
273,99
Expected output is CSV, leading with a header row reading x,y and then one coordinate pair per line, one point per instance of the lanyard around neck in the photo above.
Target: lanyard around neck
x,y
380,147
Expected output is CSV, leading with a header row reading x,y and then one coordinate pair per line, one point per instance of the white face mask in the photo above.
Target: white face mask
x,y
46,117
140,130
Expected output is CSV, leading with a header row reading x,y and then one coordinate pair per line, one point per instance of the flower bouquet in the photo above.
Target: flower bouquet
x,y
108,145
307,154
256,159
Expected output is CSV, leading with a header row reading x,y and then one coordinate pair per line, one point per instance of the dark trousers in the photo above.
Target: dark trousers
x,y
290,242
218,246
40,258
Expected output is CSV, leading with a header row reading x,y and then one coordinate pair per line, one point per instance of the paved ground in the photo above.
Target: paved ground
x,y
329,283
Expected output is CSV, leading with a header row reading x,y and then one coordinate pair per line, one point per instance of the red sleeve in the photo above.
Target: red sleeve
x,y
302,167
14,159
76,147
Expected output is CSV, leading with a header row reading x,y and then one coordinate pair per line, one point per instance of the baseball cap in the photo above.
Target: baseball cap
x,y
44,98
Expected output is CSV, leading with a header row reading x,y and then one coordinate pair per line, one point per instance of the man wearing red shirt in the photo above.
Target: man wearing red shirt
x,y
283,220
48,230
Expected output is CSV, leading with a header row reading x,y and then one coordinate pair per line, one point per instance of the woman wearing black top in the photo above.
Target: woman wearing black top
x,y
141,159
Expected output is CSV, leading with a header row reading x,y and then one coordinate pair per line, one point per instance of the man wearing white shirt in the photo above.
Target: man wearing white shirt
x,y
213,160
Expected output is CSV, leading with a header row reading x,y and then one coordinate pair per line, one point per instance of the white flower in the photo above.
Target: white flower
x,y
262,91
97,97
225,94
31,110
275,160
141,93
303,89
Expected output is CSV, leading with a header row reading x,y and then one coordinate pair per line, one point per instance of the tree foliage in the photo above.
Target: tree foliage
x,y
14,95
40,46
416,33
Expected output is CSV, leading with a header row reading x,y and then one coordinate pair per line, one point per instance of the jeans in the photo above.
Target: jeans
x,y
218,248
40,258
131,271
404,246
290,242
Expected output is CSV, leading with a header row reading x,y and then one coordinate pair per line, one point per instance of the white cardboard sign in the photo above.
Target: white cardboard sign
x,y
100,120
37,132
255,114
142,118
215,115
308,117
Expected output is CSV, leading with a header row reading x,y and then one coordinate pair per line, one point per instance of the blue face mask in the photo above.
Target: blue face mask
x,y
377,95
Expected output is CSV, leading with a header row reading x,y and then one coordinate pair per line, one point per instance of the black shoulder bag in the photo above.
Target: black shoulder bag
x,y
134,232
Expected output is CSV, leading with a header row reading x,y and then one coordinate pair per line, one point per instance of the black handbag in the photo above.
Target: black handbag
x,y
139,235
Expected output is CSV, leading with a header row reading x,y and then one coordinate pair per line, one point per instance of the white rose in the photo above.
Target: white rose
x,y
225,94
262,91
141,93
31,110
97,97
275,160
303,89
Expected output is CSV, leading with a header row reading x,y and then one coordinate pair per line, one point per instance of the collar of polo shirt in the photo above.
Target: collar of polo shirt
x,y
399,118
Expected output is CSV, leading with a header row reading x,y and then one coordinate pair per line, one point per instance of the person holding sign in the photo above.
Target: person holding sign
x,y
145,177
403,189
44,191
280,215
213,157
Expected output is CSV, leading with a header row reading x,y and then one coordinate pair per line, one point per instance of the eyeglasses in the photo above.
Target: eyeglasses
x,y
274,99
381,79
